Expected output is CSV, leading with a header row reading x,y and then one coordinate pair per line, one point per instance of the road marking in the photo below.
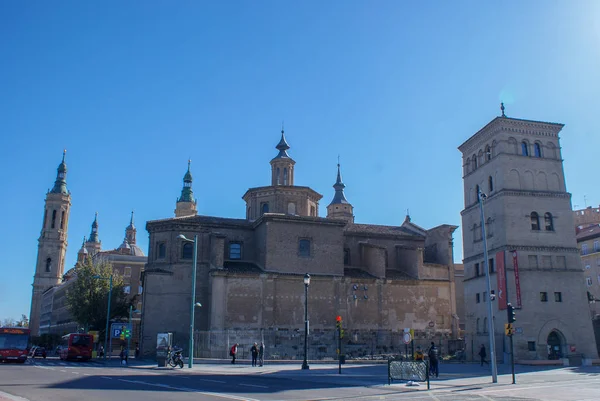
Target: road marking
x,y
253,385
190,390
43,367
75,373
522,387
86,374
63,371
211,381
106,377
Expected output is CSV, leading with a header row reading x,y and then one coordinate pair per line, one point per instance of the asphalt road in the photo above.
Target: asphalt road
x,y
53,380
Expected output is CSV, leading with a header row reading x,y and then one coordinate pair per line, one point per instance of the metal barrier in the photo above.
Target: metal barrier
x,y
417,371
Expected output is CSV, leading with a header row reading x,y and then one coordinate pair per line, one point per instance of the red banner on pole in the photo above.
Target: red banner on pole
x,y
501,276
517,282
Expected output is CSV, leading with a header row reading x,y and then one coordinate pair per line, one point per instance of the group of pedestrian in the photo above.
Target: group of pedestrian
x,y
256,351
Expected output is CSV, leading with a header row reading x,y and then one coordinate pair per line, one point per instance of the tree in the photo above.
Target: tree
x,y
87,297
9,322
24,322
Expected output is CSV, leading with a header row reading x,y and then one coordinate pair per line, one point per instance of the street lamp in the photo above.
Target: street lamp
x,y
306,284
110,284
193,303
481,197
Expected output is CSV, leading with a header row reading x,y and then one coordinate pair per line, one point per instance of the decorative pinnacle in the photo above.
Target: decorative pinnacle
x,y
502,109
131,220
64,154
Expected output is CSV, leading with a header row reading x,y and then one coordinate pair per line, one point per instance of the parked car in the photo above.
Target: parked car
x,y
40,351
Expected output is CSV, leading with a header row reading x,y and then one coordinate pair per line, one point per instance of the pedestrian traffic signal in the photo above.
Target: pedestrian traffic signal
x,y
510,310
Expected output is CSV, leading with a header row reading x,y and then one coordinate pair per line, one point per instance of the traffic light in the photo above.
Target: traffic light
x,y
510,310
127,333
338,322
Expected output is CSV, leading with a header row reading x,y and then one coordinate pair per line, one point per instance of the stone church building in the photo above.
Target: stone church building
x,y
380,279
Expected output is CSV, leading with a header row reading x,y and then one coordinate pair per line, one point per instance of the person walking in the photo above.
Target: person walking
x,y
261,354
101,351
483,355
233,352
254,351
433,360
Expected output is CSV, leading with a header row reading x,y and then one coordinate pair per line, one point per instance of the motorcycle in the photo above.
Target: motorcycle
x,y
175,358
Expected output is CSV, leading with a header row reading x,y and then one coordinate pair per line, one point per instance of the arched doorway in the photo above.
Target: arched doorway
x,y
555,345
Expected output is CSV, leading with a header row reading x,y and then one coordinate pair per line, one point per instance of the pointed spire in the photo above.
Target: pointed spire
x,y
282,146
94,232
60,185
130,231
339,186
131,226
187,195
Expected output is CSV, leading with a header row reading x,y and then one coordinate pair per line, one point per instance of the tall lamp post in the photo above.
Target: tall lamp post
x,y
306,284
193,302
131,311
481,197
110,284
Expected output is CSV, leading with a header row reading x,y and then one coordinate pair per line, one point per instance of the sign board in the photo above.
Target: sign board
x,y
117,328
501,278
517,280
407,338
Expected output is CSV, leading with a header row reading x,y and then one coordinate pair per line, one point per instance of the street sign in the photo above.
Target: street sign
x,y
118,329
509,330
407,338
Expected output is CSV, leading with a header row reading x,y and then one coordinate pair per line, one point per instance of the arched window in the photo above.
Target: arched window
x,y
474,162
62,220
48,265
477,326
285,176
346,257
292,208
187,250
537,150
162,250
477,193
53,218
45,218
485,324
488,153
489,228
535,221
265,208
475,232
490,184
278,178
549,222
524,148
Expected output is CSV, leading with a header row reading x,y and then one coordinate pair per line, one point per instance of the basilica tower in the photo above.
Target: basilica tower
x,y
93,244
186,204
52,243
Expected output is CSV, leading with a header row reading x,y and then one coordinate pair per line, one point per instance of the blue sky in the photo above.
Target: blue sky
x,y
134,89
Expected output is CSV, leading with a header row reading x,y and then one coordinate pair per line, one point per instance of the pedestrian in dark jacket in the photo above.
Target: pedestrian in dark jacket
x,y
483,355
254,352
433,360
261,354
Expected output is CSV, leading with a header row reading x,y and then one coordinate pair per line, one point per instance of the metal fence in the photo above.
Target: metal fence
x,y
408,370
322,344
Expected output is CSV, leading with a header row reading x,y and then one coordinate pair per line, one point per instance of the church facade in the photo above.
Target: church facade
x,y
250,271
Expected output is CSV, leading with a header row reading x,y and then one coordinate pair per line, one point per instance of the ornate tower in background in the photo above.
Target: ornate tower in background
x,y
186,204
52,244
340,208
93,244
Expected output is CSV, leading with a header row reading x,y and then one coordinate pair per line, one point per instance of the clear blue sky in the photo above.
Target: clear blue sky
x,y
134,89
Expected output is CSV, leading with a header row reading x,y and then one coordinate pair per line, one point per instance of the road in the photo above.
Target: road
x,y
54,380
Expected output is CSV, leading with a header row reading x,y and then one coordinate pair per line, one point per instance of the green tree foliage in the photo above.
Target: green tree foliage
x,y
87,296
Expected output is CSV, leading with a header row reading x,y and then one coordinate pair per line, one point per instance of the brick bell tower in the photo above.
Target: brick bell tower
x,y
52,243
